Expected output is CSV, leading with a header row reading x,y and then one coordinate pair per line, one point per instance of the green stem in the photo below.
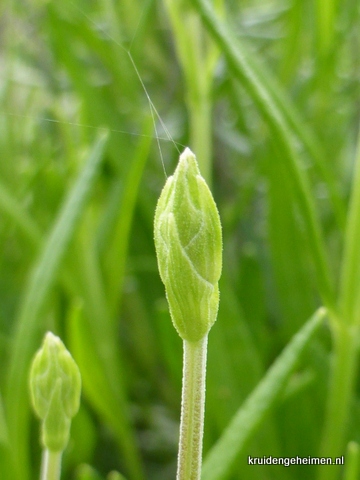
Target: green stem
x,y
192,410
350,274
51,465
200,111
198,57
352,461
339,399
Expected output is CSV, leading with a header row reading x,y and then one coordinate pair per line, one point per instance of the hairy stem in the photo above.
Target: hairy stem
x,y
192,410
51,465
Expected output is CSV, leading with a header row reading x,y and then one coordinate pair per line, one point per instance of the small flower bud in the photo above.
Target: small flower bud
x,y
55,386
188,245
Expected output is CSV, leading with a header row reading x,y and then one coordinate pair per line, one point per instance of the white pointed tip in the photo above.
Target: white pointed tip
x,y
52,339
186,154
50,336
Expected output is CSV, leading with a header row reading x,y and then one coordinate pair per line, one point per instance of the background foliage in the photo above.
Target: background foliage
x,y
270,104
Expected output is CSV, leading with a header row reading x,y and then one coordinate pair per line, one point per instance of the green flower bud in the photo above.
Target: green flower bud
x,y
55,386
188,245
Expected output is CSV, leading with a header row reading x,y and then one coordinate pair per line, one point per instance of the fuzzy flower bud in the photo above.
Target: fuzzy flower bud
x,y
188,245
55,386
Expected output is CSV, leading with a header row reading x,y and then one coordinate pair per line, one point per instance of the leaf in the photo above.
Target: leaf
x,y
289,253
352,461
97,385
282,135
3,429
86,472
218,462
29,325
350,274
12,208
118,243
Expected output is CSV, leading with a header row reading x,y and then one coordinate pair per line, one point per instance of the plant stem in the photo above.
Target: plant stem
x,y
352,461
198,57
192,410
50,465
350,274
339,399
200,132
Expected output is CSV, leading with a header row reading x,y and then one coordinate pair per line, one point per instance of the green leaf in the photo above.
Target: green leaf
x,y
30,323
289,252
117,245
352,463
282,135
115,476
97,386
6,470
219,461
350,274
10,206
86,472
4,439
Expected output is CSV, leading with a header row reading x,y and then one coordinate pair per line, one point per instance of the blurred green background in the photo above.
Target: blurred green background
x,y
76,215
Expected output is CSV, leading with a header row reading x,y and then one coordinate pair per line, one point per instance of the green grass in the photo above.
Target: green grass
x,y
266,95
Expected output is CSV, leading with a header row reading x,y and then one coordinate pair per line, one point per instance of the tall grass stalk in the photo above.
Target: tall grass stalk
x,y
346,331
198,57
352,461
343,374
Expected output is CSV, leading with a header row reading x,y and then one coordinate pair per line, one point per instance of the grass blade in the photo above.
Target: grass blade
x,y
10,206
5,467
29,325
287,244
293,119
110,405
283,136
350,278
218,463
3,429
118,244
352,461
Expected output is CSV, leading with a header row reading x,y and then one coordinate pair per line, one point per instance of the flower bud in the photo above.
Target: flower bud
x,y
55,386
188,245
